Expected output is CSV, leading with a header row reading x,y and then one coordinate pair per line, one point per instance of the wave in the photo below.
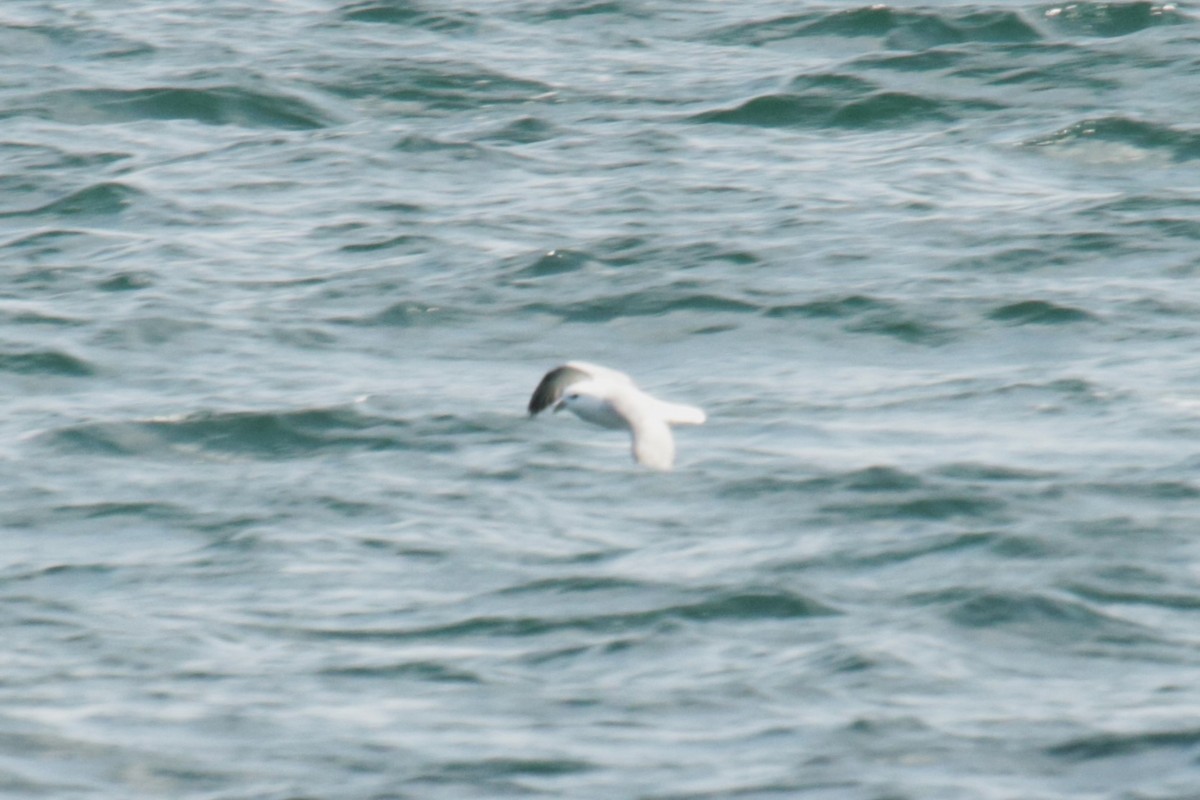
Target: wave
x,y
882,492
619,252
430,85
576,585
843,306
524,130
840,100
432,671
871,315
862,313
555,262
126,281
720,607
405,243
900,28
643,303
1038,312
404,314
31,316
139,510
1046,615
107,198
216,105
853,313
46,362
1154,595
937,506
1108,745
811,109
1120,139
922,29
1111,20
569,9
408,14
255,434
498,774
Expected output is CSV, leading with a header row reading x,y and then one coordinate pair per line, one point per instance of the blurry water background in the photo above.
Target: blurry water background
x,y
277,278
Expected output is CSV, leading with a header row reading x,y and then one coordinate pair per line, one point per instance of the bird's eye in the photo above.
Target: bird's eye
x,y
573,396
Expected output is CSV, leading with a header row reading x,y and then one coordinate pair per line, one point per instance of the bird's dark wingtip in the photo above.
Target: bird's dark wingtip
x,y
551,387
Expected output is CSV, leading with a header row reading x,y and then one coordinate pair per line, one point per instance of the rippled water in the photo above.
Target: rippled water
x,y
279,278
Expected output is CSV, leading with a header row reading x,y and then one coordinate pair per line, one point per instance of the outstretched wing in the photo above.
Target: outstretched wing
x,y
552,386
680,414
599,373
653,445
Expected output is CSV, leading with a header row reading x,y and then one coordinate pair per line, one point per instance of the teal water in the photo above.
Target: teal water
x,y
278,279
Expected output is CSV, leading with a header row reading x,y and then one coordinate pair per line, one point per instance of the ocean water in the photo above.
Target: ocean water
x,y
277,281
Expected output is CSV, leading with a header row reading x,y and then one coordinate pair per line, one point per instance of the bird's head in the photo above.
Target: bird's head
x,y
570,399
584,398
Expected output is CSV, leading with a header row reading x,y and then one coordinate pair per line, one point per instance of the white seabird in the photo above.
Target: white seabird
x,y
610,399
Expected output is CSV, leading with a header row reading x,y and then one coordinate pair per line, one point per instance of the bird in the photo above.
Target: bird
x,y
611,399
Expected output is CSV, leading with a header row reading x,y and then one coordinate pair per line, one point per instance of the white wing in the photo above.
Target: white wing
x,y
600,373
653,445
680,414
673,413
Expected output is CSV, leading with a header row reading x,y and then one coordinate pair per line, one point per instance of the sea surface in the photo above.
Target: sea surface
x,y
277,280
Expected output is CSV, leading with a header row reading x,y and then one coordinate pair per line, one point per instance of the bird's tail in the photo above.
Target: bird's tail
x,y
680,414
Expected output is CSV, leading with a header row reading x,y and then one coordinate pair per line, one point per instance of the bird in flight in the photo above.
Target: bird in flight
x,y
610,399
